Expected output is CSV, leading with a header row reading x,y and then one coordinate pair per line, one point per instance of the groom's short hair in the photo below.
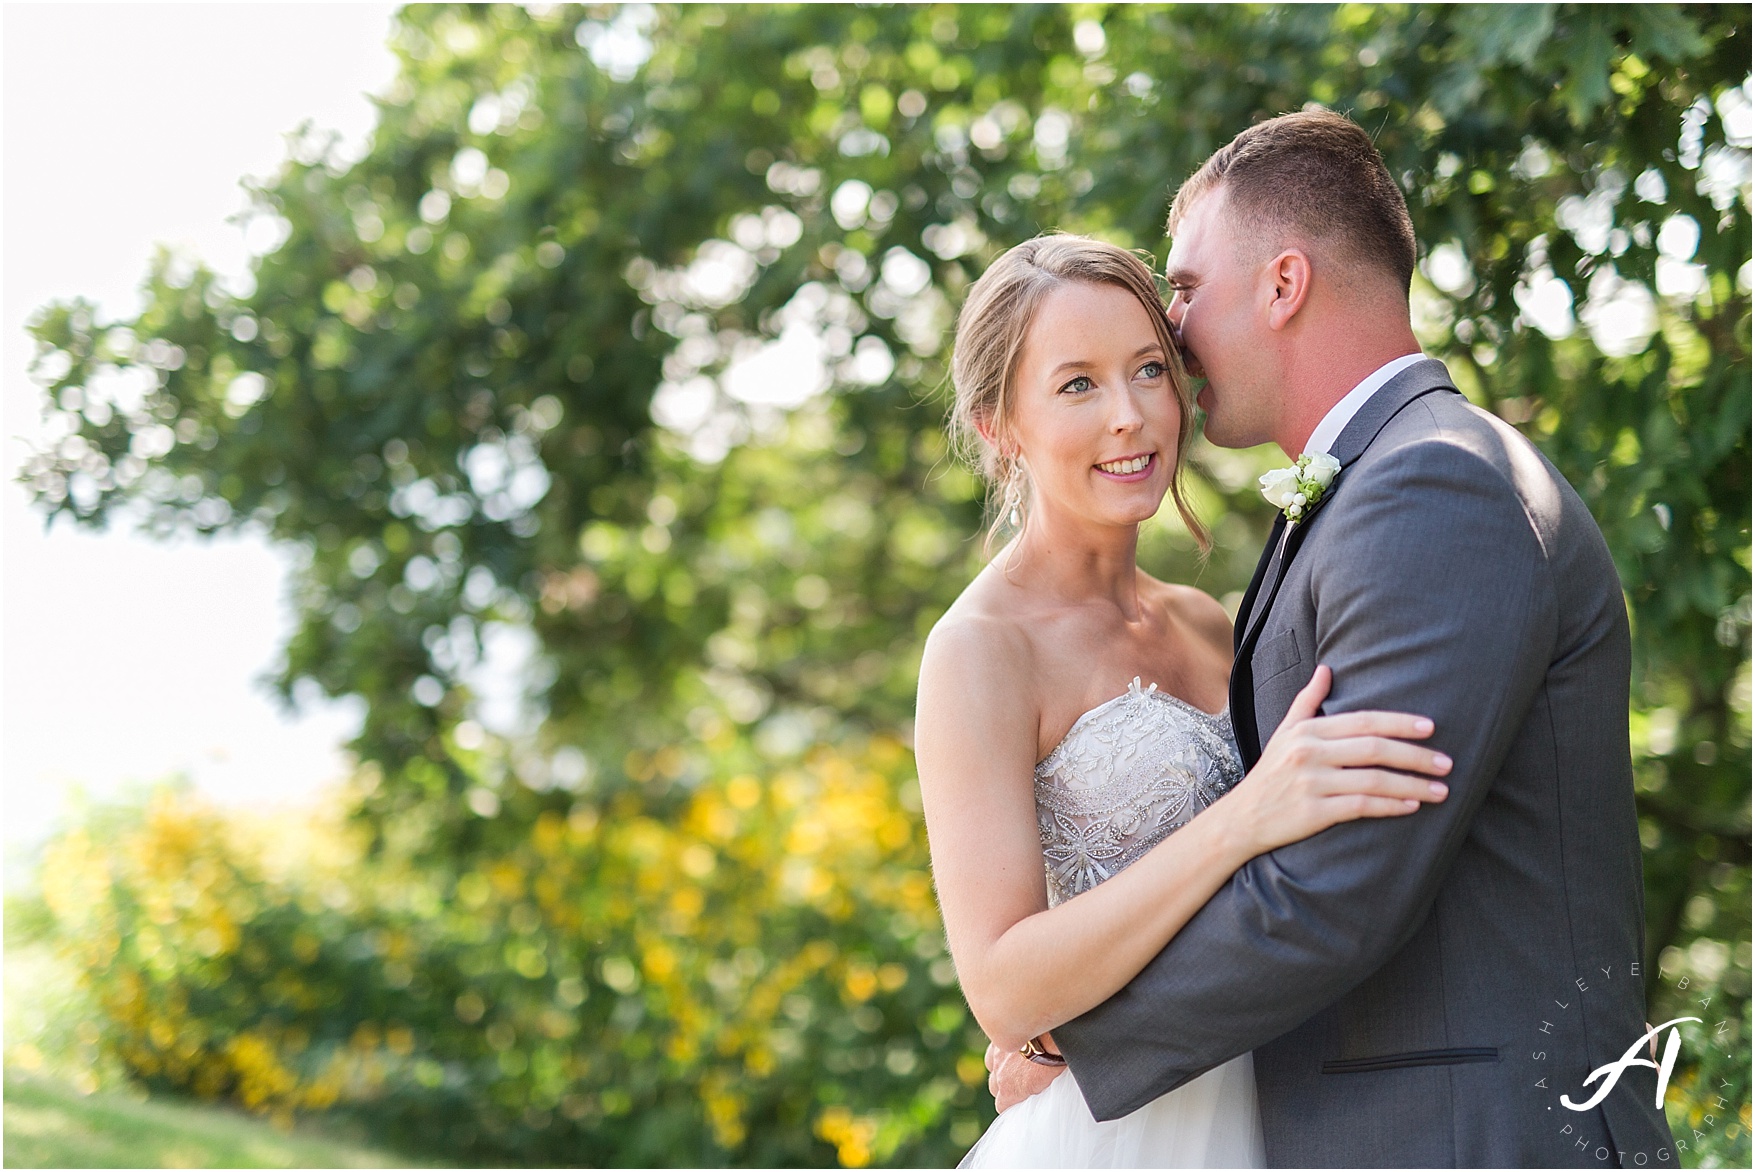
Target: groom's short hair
x,y
1314,174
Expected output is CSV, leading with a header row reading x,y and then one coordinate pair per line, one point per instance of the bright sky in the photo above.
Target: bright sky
x,y
125,126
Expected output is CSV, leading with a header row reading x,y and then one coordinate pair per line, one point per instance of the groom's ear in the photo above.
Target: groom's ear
x,y
1289,276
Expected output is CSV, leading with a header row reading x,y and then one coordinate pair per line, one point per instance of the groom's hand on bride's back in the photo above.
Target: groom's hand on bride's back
x,y
1012,1078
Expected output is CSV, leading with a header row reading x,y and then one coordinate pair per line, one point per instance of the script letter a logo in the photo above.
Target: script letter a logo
x,y
1611,1073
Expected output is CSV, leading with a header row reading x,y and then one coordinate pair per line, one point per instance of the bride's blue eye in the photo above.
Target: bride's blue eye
x,y
1079,385
1152,370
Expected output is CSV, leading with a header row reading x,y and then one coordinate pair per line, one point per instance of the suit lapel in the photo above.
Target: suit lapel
x,y
1291,536
1421,378
1247,607
1243,722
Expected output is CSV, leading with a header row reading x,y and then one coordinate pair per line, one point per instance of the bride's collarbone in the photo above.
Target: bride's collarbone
x,y
1077,657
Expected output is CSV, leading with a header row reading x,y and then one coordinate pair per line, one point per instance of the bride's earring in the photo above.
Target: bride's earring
x,y
1014,497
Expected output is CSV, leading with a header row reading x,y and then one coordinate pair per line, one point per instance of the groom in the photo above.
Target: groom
x,y
1417,991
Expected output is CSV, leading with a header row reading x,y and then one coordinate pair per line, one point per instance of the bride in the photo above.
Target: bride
x,y
1051,783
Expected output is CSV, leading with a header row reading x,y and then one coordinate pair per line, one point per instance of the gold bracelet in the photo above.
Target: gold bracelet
x,y
1034,1051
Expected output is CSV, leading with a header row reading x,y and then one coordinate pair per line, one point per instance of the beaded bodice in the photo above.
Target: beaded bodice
x,y
1126,774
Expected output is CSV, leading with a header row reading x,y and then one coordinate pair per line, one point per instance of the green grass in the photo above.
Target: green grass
x,y
50,1125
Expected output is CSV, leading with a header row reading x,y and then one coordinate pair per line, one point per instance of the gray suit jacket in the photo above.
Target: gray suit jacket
x,y
1420,990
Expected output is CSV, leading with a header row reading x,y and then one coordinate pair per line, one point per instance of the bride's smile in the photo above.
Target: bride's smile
x,y
1096,419
1129,468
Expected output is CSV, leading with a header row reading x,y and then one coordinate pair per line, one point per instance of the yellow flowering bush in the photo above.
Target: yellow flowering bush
x,y
204,968
749,972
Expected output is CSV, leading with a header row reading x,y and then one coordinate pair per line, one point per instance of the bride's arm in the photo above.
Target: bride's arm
x,y
1025,968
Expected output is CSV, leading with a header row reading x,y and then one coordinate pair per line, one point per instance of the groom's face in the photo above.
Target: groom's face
x,y
1217,308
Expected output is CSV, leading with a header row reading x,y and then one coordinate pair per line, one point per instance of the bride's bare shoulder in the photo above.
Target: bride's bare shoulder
x,y
980,652
980,629
975,719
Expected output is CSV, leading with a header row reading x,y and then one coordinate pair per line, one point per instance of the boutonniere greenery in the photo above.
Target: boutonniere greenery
x,y
1295,490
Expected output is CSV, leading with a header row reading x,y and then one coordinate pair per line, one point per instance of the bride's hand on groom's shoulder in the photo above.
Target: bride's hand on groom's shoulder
x,y
1012,1078
1320,770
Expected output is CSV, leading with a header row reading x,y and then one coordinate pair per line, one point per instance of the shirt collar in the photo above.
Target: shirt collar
x,y
1341,414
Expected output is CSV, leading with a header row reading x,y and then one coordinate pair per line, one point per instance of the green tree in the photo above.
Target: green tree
x,y
515,377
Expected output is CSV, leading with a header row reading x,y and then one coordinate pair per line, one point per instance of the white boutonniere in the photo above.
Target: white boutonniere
x,y
1295,490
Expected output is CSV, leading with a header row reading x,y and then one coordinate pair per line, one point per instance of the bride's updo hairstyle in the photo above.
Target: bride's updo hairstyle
x,y
991,330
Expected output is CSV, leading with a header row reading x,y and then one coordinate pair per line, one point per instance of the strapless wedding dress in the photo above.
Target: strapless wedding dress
x,y
1127,774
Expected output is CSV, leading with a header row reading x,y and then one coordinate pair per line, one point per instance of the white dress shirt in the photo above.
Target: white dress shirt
x,y
1341,414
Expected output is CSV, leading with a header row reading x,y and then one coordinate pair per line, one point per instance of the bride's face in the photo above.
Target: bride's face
x,y
1094,415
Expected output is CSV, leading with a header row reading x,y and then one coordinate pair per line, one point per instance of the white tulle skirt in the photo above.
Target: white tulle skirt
x,y
1210,1122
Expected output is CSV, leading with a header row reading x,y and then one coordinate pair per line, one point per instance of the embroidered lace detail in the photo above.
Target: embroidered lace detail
x,y
1126,774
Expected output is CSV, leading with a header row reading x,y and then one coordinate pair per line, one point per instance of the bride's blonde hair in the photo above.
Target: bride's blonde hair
x,y
991,330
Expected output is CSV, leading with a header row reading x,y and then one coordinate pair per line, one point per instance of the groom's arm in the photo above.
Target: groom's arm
x,y
1433,597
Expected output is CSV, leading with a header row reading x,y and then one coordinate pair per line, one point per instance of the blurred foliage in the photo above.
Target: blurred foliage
x,y
611,366
1708,1102
760,971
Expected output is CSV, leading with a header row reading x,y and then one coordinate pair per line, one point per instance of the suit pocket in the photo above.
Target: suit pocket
x,y
1275,656
1452,1057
